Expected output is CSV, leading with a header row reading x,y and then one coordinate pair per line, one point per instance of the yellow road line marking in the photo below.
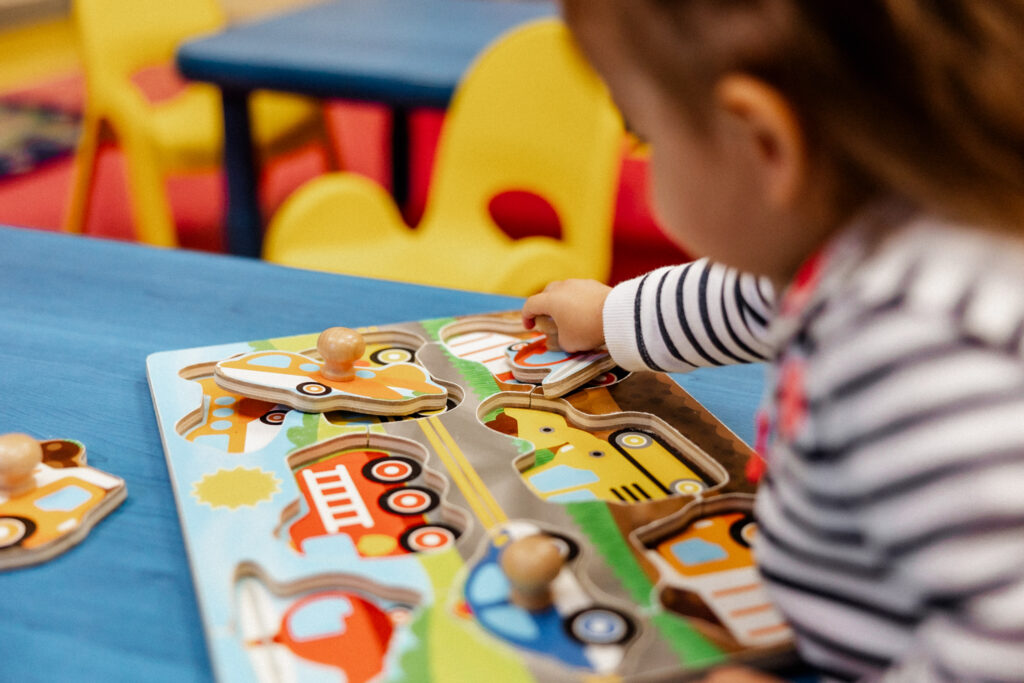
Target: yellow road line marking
x,y
474,478
456,473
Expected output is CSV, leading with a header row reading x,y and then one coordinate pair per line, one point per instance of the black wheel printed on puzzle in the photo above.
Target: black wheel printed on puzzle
x,y
599,625
392,354
273,417
409,500
313,389
743,529
427,538
570,549
15,530
392,470
633,439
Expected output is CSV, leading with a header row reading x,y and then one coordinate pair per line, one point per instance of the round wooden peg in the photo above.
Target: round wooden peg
x,y
19,456
546,324
531,563
340,348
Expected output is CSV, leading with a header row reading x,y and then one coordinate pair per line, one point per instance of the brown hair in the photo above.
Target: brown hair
x,y
924,98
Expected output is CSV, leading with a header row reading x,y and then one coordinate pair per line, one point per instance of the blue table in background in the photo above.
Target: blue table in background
x,y
402,53
78,316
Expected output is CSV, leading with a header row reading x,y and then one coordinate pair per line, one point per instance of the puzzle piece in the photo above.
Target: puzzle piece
x,y
567,625
229,422
546,324
49,498
374,494
342,381
617,458
487,340
558,372
704,550
532,563
60,453
320,621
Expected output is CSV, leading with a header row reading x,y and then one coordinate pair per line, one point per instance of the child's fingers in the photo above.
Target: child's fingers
x,y
534,306
554,285
538,304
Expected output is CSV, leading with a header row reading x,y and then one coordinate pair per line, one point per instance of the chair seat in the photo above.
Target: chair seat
x,y
466,265
308,234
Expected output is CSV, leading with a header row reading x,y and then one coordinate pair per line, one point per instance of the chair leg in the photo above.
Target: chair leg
x,y
86,160
151,208
331,143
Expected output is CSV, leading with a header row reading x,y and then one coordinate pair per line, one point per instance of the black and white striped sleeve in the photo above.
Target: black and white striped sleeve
x,y
678,318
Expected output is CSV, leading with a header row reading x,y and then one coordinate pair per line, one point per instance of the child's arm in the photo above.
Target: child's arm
x,y
672,319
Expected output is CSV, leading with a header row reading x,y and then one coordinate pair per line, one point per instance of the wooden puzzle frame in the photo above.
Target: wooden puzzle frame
x,y
238,508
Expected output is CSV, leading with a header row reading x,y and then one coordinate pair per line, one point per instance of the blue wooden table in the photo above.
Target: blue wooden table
x,y
403,53
78,317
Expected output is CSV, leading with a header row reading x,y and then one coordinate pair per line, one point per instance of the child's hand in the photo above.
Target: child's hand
x,y
738,674
576,306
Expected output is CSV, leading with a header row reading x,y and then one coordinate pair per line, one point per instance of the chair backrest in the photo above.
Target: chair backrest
x,y
530,115
119,37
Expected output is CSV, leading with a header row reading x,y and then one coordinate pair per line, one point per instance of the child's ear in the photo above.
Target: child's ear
x,y
777,139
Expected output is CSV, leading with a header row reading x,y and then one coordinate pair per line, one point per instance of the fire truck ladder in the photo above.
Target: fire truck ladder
x,y
336,499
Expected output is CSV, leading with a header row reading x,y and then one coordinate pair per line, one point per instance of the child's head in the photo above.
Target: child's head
x,y
808,108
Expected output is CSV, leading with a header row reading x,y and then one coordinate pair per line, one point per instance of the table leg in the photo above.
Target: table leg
x,y
244,226
400,155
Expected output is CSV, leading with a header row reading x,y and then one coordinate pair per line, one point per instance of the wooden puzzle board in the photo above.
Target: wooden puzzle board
x,y
407,587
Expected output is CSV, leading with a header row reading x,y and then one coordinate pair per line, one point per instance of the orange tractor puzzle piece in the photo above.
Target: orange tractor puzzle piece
x,y
49,498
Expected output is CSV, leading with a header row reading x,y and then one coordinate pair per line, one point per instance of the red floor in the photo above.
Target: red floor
x,y
39,199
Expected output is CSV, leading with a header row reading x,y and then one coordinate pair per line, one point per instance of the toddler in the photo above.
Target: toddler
x,y
852,172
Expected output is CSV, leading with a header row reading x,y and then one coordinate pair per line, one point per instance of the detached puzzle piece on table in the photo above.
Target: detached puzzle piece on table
x,y
342,381
703,558
49,498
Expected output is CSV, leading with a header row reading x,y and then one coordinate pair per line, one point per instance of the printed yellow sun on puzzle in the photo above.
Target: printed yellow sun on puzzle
x,y
433,500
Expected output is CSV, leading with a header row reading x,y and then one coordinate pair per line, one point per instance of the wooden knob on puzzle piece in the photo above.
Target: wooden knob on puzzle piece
x,y
546,324
531,563
19,456
340,348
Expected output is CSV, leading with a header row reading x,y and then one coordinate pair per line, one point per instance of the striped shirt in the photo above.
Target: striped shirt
x,y
892,511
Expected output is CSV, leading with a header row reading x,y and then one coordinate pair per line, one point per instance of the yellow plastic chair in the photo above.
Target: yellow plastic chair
x,y
529,115
118,38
